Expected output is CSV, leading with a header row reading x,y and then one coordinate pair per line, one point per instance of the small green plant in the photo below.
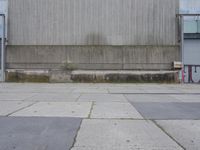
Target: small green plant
x,y
68,66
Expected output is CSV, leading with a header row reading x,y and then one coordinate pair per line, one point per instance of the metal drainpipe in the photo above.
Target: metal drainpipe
x,y
182,45
3,50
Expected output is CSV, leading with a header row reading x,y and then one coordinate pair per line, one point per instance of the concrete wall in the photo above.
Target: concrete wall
x,y
93,57
94,34
92,22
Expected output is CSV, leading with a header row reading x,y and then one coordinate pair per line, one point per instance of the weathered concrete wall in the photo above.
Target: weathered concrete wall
x,y
126,76
93,57
92,76
93,34
92,22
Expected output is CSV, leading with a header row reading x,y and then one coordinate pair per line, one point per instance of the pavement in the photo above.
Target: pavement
x,y
77,116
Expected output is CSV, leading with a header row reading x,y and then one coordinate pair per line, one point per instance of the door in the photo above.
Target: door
x,y
3,36
2,47
192,49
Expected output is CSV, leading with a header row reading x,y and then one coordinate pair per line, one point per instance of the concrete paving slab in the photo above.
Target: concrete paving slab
x,y
167,111
15,96
150,98
102,98
125,90
57,109
34,89
191,90
187,98
89,90
21,90
186,132
122,135
54,97
7,107
54,89
114,110
18,133
164,91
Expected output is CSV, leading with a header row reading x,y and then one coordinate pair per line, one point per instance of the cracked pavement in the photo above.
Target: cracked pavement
x,y
80,116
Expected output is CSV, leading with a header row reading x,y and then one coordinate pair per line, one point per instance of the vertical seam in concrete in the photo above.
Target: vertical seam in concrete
x,y
75,138
90,113
162,129
21,109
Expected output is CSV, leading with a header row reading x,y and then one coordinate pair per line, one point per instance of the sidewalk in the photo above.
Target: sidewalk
x,y
99,116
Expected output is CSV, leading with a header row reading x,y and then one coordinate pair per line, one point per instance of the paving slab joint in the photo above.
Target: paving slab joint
x,y
171,137
78,97
75,138
137,110
116,119
90,113
21,109
29,97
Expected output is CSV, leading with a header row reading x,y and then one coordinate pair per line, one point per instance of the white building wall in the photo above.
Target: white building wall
x,y
191,46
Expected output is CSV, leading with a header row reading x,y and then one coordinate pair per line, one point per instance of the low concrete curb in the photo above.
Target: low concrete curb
x,y
102,76
125,76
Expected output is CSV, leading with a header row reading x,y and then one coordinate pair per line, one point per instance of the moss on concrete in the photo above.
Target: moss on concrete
x,y
22,77
126,78
93,77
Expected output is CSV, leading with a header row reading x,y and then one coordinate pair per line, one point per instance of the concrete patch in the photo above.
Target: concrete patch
x,y
150,98
186,132
7,107
165,111
114,110
54,97
102,98
122,135
57,109
37,133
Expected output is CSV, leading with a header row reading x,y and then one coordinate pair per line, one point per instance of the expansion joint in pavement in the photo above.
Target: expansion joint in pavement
x,y
92,106
75,138
78,97
29,97
157,93
114,119
21,109
168,134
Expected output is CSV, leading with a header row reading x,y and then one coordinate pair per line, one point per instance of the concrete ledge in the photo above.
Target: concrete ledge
x,y
100,76
21,75
126,76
